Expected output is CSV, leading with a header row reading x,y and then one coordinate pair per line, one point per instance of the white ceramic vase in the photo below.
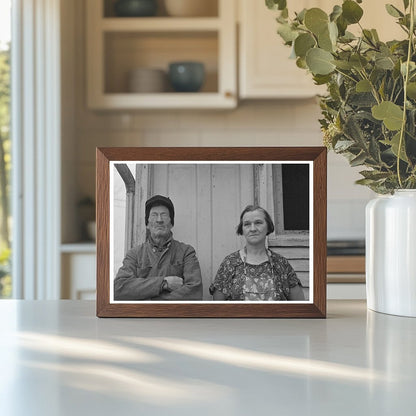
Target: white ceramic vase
x,y
391,253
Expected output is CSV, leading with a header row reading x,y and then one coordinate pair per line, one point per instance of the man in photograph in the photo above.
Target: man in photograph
x,y
161,268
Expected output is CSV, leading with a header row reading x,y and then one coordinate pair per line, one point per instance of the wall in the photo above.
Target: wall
x,y
253,123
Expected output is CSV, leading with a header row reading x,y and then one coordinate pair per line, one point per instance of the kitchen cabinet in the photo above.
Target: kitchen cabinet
x,y
78,263
265,67
265,70
118,45
346,277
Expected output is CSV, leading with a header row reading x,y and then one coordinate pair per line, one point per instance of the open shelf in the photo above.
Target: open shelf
x,y
209,9
118,45
160,24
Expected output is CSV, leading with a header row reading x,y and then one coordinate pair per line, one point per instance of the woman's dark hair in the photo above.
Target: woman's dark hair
x,y
251,208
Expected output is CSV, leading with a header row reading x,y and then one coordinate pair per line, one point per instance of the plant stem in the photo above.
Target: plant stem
x,y
373,88
405,81
346,75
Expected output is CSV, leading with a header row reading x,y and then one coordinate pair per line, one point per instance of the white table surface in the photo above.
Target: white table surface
x,y
57,358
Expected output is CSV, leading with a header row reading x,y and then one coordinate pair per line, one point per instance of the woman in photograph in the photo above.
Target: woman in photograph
x,y
256,273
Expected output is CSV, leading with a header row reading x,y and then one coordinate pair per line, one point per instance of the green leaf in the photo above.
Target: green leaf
x,y
325,42
406,4
405,21
303,43
412,67
342,25
287,33
276,4
321,79
391,114
382,89
301,15
374,150
362,99
375,35
343,145
411,90
394,143
411,123
281,19
345,65
354,132
368,36
396,70
393,11
316,20
301,63
365,182
358,61
359,160
363,86
351,11
374,174
347,37
336,12
384,62
319,61
333,32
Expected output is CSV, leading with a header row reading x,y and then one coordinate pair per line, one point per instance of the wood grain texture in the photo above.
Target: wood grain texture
x,y
319,229
346,264
103,231
206,309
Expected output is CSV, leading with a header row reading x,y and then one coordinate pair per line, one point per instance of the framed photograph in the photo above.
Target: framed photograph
x,y
211,232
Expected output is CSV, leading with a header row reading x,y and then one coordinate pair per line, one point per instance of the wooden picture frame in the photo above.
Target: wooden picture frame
x,y
258,160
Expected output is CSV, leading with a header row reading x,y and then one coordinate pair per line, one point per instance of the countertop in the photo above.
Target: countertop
x,y
57,358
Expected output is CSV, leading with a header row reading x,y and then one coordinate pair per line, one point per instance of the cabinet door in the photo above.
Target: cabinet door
x,y
376,17
78,276
266,71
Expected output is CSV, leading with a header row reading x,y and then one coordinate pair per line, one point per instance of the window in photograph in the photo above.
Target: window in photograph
x,y
291,202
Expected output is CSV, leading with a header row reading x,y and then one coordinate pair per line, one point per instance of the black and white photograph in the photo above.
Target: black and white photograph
x,y
220,232
211,232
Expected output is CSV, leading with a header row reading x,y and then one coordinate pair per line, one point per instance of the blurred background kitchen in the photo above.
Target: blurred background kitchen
x,y
122,64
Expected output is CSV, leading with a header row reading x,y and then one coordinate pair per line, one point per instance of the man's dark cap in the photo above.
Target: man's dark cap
x,y
159,200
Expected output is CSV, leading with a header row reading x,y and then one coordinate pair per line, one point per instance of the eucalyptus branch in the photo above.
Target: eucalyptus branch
x,y
405,81
365,61
405,29
345,75
397,95
374,92
392,91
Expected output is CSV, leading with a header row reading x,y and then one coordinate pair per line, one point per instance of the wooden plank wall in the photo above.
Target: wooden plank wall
x,y
208,200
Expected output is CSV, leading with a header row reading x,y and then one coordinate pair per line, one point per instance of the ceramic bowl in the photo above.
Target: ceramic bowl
x,y
186,76
147,80
92,230
191,8
135,8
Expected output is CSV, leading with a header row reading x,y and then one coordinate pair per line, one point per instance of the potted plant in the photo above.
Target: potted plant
x,y
368,116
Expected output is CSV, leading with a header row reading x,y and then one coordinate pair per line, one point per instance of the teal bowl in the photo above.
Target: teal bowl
x,y
135,8
186,76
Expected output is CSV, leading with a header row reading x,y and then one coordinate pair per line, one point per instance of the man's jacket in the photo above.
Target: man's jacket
x,y
145,266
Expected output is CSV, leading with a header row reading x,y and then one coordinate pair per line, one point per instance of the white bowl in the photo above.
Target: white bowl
x,y
191,8
92,230
147,80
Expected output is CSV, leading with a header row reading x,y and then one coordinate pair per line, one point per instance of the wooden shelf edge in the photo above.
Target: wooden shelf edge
x,y
124,101
160,24
346,264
